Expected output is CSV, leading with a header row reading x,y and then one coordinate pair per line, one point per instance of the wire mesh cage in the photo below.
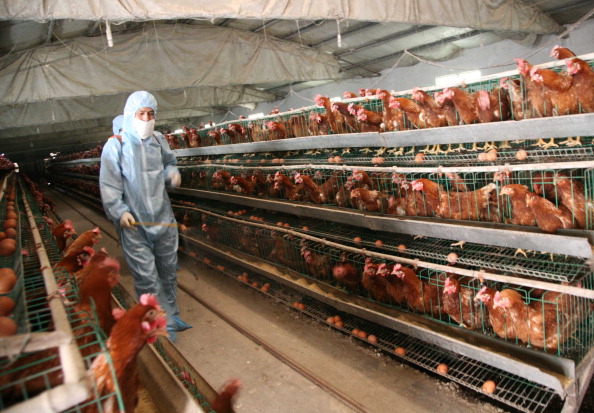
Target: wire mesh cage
x,y
496,98
559,198
544,320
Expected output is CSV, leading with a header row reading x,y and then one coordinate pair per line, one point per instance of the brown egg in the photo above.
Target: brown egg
x,y
183,228
305,228
331,160
6,305
372,339
11,215
379,243
7,327
10,203
10,223
337,318
442,368
337,159
2,235
357,240
10,208
255,284
482,157
207,261
521,155
355,331
287,225
401,248
192,254
7,247
452,258
362,334
279,224
420,158
492,155
10,233
264,289
330,320
400,351
489,386
339,324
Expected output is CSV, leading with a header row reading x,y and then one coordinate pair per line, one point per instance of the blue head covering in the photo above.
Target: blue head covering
x,y
117,123
136,101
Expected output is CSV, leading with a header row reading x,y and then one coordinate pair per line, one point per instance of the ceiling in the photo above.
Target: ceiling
x,y
64,84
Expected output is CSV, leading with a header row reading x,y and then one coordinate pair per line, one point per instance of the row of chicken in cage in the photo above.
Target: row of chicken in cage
x,y
557,199
535,93
542,319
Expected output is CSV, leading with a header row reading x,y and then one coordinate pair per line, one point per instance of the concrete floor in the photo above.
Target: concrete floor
x,y
377,382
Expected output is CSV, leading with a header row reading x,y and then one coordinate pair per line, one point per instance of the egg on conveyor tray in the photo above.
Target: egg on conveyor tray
x,y
7,280
6,305
10,223
7,247
7,327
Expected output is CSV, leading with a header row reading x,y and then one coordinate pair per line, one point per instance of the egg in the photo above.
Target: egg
x,y
492,155
183,228
362,334
10,233
489,386
482,157
442,368
452,257
10,208
378,161
355,331
357,240
7,247
401,248
521,155
287,225
400,351
7,327
302,306
207,261
337,318
339,324
10,223
279,224
330,320
420,158
2,235
6,305
11,215
10,203
372,339
331,160
255,284
337,159
264,289
305,228
379,243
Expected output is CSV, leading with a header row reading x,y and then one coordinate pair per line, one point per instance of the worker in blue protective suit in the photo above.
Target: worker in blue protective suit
x,y
118,123
132,180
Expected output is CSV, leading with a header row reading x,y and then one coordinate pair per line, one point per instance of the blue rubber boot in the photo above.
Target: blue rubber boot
x,y
180,325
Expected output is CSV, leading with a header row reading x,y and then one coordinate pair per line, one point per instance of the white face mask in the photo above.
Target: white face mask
x,y
144,129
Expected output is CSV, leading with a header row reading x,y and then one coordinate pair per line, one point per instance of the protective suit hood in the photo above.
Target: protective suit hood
x,y
117,123
136,100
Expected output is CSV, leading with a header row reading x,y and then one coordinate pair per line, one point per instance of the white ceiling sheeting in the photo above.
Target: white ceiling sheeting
x,y
159,58
509,15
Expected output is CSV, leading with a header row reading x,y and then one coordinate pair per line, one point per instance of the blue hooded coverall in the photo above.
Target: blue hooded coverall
x,y
132,179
